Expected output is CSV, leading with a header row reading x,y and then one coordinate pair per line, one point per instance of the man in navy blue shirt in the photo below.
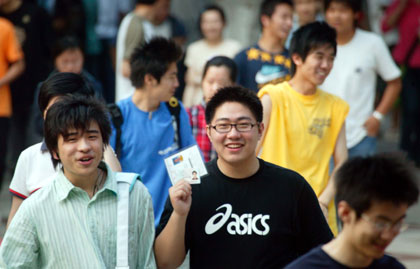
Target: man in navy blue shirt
x,y
373,195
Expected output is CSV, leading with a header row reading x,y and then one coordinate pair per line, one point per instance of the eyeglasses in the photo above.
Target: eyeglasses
x,y
382,225
224,128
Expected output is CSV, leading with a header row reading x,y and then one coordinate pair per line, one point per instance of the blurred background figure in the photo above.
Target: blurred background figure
x,y
306,11
211,23
33,30
68,58
219,72
405,16
11,66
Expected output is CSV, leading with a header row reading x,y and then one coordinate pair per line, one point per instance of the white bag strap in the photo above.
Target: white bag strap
x,y
125,182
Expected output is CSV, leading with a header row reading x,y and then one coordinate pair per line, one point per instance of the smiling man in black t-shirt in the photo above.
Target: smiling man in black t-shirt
x,y
246,213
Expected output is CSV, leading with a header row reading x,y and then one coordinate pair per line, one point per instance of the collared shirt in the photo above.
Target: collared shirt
x,y
59,226
198,126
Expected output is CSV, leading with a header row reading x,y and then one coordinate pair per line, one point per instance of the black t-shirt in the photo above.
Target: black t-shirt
x,y
317,258
264,221
33,29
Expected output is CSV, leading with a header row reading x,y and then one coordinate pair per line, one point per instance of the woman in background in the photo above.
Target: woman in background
x,y
212,21
218,72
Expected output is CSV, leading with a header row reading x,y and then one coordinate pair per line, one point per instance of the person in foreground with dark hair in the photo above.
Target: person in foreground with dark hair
x,y
148,134
34,168
246,213
72,221
373,195
304,125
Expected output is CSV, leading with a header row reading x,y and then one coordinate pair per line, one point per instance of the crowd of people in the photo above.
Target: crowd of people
x,y
287,128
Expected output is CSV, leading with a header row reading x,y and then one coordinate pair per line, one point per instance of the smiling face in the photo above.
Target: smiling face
x,y
280,22
216,77
80,152
165,88
234,148
317,65
365,238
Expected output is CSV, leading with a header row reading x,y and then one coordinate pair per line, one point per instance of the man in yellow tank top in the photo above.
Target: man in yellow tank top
x,y
305,125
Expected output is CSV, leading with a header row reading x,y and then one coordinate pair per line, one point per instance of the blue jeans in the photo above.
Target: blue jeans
x,y
366,147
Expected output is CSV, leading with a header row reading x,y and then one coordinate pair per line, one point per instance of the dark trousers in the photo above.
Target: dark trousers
x,y
410,127
4,132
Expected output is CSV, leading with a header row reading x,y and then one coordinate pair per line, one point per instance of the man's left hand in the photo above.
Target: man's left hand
x,y
372,126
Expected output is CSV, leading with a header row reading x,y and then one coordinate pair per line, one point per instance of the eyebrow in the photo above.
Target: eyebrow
x,y
388,219
238,119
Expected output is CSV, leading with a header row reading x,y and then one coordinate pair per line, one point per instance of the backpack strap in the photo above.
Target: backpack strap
x,y
125,183
117,121
175,110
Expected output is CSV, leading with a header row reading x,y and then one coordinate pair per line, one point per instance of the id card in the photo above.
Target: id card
x,y
186,164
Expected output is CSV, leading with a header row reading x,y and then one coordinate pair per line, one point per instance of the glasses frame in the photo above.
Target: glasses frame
x,y
234,125
386,225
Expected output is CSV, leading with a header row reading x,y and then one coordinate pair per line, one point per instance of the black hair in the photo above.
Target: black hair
x,y
236,94
65,43
309,37
213,7
154,58
222,61
269,6
145,2
74,112
381,178
355,5
60,84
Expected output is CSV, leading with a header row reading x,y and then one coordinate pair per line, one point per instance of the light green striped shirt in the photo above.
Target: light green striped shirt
x,y
59,226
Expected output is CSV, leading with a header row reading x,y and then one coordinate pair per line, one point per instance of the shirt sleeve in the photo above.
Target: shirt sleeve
x,y
18,185
134,37
240,64
13,49
20,246
146,258
312,227
385,64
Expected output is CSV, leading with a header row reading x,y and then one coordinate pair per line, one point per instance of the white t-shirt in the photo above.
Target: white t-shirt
x,y
34,170
353,78
197,54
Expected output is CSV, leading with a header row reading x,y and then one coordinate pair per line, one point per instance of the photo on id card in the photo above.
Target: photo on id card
x,y
186,164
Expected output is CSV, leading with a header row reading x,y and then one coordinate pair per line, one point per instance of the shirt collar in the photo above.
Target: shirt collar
x,y
43,146
64,186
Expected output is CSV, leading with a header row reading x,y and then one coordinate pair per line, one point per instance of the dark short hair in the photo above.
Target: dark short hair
x,y
222,61
309,37
60,84
212,7
381,178
146,2
236,94
355,5
65,43
268,7
76,112
154,58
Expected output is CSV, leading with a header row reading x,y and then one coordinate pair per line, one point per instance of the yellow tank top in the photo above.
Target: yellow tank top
x,y
302,134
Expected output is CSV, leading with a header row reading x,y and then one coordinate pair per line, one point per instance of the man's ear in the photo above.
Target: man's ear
x,y
55,155
265,20
297,60
345,212
208,129
150,80
260,130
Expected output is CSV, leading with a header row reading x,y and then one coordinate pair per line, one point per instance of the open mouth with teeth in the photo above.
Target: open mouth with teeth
x,y
234,146
86,160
